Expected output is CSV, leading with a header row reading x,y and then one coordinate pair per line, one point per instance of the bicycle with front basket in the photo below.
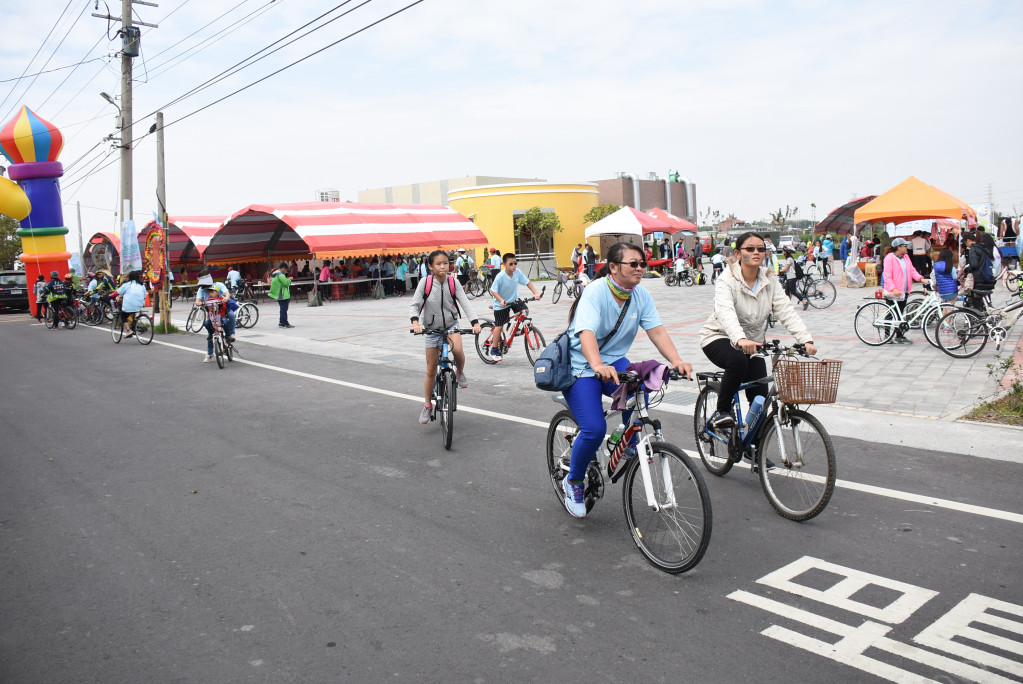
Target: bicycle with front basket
x,y
445,387
571,286
787,446
667,505
521,325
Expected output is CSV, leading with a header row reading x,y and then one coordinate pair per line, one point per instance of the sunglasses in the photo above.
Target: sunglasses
x,y
754,249
633,264
512,263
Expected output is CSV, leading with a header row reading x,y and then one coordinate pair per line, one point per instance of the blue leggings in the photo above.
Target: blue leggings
x,y
584,398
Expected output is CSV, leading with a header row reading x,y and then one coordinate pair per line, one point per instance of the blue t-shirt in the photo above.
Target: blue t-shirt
x,y
508,287
598,312
134,296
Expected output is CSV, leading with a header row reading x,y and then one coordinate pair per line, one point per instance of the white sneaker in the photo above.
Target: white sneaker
x,y
463,382
575,501
207,358
426,414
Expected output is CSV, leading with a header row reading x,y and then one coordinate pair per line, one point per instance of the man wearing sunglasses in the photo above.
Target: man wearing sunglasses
x,y
506,289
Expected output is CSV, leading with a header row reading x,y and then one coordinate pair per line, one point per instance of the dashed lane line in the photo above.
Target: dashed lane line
x,y
845,484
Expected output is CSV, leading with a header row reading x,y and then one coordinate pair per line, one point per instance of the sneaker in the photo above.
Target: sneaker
x,y
903,340
231,339
463,381
426,414
128,333
207,358
575,501
288,325
495,355
721,421
806,304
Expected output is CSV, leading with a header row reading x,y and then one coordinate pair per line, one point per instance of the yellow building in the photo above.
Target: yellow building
x,y
494,209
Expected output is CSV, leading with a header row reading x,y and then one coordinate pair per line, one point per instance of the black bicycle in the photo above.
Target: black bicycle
x,y
445,387
140,326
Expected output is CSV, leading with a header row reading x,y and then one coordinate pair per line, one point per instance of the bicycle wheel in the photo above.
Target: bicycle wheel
x,y
670,279
251,313
483,339
712,452
962,333
143,328
675,536
556,295
446,408
534,343
93,315
687,279
116,330
802,480
561,435
912,304
821,294
70,318
50,318
218,349
229,350
196,318
875,323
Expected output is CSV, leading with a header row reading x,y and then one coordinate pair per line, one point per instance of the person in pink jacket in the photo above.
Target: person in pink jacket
x,y
899,275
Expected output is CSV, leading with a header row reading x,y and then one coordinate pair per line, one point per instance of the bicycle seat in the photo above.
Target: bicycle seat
x,y
560,399
710,375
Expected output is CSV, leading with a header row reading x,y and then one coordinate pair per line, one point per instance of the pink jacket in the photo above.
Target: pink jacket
x,y
893,278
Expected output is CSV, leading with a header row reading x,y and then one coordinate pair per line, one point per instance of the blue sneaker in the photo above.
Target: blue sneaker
x,y
575,502
495,355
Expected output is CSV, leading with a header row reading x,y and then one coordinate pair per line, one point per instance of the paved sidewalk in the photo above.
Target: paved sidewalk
x,y
916,383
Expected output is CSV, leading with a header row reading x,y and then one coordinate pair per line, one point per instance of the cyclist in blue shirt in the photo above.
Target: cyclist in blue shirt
x,y
217,292
505,288
133,297
597,359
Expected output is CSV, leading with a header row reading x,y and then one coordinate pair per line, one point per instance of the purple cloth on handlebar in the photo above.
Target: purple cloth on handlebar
x,y
653,373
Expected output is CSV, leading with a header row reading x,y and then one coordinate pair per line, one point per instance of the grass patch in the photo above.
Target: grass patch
x,y
171,329
1008,410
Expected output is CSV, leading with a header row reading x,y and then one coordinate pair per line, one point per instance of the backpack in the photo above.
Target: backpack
x,y
463,269
451,288
797,268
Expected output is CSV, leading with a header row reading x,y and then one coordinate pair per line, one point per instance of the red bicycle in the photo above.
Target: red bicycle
x,y
521,325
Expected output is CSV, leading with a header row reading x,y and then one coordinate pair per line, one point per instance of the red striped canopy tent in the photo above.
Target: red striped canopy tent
x,y
329,230
103,251
189,237
840,220
677,223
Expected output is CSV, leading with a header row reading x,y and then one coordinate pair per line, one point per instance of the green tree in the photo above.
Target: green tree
x,y
10,243
540,225
600,211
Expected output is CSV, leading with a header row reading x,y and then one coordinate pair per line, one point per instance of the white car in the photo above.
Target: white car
x,y
792,241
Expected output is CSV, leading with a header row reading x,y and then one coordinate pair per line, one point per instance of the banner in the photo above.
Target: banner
x,y
131,257
984,216
154,257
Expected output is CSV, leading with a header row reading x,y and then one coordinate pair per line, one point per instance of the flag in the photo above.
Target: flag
x,y
131,256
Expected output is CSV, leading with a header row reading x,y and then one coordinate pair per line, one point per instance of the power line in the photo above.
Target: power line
x,y
95,45
210,23
298,61
38,50
52,71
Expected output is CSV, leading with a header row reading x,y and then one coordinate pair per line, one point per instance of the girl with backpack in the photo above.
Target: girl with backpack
x,y
434,309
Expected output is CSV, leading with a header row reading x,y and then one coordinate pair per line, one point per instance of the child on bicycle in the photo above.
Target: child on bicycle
x,y
436,303
505,289
210,291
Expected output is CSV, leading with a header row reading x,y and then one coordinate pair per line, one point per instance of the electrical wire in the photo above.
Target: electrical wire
x,y
54,91
210,23
38,50
298,61
54,70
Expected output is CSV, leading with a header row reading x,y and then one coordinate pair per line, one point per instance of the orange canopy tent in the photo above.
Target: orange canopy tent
x,y
910,200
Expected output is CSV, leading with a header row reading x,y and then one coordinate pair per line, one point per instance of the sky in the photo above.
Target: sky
x,y
764,105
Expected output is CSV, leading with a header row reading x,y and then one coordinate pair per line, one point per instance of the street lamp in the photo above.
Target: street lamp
x,y
117,122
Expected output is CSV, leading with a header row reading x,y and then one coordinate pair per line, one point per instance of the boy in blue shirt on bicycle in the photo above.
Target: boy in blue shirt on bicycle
x,y
505,289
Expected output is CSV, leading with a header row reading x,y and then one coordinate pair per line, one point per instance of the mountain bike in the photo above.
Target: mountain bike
x,y
445,389
800,484
521,325
963,333
878,320
667,505
196,318
247,315
572,287
60,313
140,325
476,285
819,292
684,277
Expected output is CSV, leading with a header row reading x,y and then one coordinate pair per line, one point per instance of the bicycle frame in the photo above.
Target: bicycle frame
x,y
898,317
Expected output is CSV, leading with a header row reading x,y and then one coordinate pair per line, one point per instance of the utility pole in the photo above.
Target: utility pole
x,y
161,201
81,251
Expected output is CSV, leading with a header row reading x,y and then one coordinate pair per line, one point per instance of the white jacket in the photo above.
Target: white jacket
x,y
739,312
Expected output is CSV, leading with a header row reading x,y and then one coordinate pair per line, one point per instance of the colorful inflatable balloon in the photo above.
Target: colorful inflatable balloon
x,y
33,144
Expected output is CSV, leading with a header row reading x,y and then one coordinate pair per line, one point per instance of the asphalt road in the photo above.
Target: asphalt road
x,y
162,520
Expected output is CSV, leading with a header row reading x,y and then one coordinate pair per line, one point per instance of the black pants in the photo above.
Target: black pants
x,y
739,368
900,304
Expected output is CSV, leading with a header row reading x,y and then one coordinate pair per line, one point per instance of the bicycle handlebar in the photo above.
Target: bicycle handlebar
x,y
776,348
460,331
635,379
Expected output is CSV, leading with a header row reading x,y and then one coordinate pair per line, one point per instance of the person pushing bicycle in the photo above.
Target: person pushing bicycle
x,y
603,323
745,295
505,288
437,302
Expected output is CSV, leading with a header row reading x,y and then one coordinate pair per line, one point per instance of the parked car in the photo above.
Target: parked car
x,y
792,241
13,290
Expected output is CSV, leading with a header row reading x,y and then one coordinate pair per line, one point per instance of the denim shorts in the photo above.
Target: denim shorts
x,y
436,339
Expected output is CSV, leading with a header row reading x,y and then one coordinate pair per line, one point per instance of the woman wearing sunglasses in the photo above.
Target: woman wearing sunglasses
x,y
745,295
600,338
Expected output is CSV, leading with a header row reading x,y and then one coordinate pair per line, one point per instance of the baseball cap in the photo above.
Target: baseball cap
x,y
899,242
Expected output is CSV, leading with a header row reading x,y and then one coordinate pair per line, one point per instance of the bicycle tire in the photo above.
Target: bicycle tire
x,y
446,407
241,317
797,492
218,350
1013,282
930,322
252,314
483,339
869,325
670,279
687,279
714,454
116,330
229,351
962,333
196,320
674,537
912,304
821,294
574,291
534,342
561,434
143,329
556,295
70,319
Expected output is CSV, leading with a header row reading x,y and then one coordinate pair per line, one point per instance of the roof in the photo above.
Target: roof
x,y
189,236
913,199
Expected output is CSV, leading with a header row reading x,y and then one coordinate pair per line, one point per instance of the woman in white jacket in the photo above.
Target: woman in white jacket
x,y
744,296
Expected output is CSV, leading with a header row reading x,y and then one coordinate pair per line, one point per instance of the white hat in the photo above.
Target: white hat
x,y
205,280
461,249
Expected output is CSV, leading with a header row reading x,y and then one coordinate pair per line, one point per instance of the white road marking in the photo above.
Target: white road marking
x,y
845,484
948,633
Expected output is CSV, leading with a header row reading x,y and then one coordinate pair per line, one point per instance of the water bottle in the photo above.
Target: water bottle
x,y
615,437
756,410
